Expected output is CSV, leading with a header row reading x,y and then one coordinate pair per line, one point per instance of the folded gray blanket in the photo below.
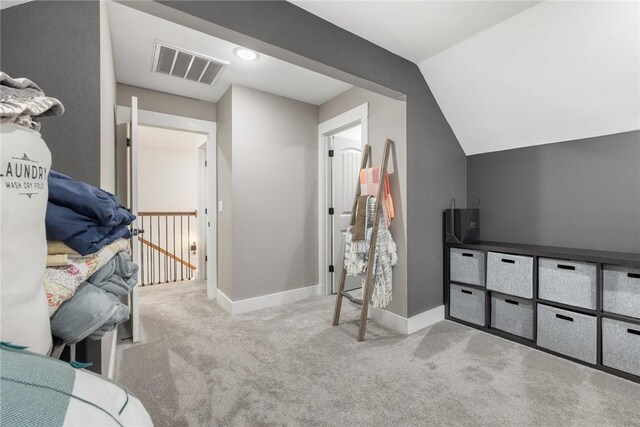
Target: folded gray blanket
x,y
118,276
21,101
90,313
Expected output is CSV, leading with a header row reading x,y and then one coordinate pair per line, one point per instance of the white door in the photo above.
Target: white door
x,y
344,174
133,194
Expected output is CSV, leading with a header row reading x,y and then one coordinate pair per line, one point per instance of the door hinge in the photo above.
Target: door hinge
x,y
330,211
206,258
205,163
331,269
330,153
205,211
128,142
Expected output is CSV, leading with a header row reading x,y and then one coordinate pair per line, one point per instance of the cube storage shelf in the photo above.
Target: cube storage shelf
x,y
578,304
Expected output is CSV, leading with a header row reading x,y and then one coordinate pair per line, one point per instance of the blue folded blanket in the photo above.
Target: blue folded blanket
x,y
87,200
118,276
84,217
90,313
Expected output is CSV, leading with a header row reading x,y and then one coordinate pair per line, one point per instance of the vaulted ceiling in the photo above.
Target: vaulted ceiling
x,y
415,30
510,74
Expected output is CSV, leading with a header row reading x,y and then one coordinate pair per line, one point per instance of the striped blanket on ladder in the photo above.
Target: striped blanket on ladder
x,y
357,253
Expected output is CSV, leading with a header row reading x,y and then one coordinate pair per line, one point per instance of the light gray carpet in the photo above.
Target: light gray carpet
x,y
198,366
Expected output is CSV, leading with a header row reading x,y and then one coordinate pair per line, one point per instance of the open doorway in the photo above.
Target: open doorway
x,y
342,138
143,131
169,167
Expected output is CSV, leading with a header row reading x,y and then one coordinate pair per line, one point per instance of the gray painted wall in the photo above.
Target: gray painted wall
x,y
167,103
225,194
387,119
274,144
57,45
582,194
435,162
107,104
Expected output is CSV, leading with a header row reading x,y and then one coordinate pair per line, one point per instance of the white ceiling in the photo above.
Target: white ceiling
x,y
510,74
9,3
558,71
150,136
133,35
415,30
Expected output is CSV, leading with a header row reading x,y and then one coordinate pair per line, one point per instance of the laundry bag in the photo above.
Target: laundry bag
x,y
24,316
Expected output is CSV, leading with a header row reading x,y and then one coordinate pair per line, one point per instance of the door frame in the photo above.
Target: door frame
x,y
203,208
208,221
358,115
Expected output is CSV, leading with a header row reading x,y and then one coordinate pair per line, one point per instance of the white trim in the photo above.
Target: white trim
x,y
412,324
389,320
267,301
211,218
224,302
112,358
133,119
201,245
425,319
169,121
334,125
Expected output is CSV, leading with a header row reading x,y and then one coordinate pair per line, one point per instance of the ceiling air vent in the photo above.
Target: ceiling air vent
x,y
185,64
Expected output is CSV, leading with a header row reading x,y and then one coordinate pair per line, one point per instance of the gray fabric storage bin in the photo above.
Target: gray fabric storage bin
x,y
566,332
510,274
621,290
567,282
621,345
466,303
466,266
512,315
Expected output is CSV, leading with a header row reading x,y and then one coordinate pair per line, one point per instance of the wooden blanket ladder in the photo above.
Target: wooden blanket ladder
x,y
367,289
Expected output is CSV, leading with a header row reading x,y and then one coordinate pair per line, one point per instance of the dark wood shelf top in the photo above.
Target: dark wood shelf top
x,y
619,258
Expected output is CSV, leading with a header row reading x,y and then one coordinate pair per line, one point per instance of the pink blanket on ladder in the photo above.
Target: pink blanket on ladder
x,y
369,182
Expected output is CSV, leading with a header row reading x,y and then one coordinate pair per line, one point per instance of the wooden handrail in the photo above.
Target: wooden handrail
x,y
191,213
167,253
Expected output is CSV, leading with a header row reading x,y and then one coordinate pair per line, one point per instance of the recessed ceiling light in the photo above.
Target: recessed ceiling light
x,y
245,54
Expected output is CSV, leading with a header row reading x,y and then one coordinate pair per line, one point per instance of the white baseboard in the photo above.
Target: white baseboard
x,y
425,319
266,301
223,301
412,324
389,320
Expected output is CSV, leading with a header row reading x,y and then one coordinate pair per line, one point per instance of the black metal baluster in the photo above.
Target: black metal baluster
x,y
166,248
141,252
159,260
175,275
189,271
146,259
151,254
181,248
